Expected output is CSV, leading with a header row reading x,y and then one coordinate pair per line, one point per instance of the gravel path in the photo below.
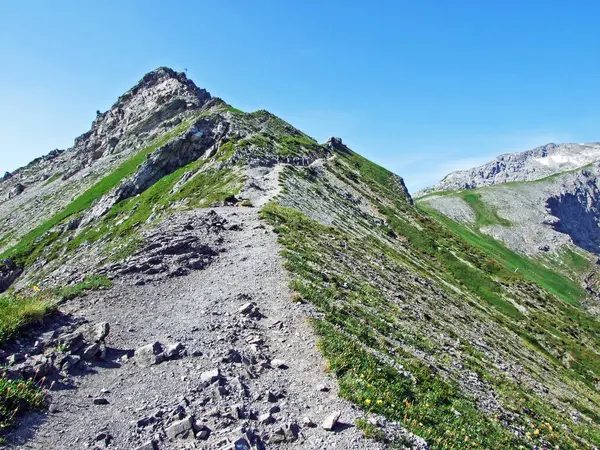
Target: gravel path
x,y
146,405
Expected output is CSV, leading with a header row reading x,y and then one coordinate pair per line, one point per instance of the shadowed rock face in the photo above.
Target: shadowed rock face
x,y
578,216
9,272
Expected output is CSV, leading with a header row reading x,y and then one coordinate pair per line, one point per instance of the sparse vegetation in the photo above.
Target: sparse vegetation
x,y
89,283
31,245
17,397
53,178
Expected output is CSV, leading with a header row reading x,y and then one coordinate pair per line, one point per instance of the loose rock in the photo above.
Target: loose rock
x,y
330,422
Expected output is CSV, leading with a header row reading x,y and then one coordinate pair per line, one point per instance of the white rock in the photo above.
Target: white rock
x,y
331,420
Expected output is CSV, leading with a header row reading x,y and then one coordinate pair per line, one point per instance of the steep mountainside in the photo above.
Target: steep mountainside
x,y
209,243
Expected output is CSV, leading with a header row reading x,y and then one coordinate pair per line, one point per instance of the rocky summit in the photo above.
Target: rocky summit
x,y
189,275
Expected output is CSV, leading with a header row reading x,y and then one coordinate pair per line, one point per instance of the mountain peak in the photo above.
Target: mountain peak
x,y
169,83
529,165
166,75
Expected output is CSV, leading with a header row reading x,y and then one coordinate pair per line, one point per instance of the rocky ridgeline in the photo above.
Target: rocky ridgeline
x,y
561,211
231,366
157,102
531,165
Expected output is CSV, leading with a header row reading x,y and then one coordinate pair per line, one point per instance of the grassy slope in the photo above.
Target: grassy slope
x,y
367,289
484,215
554,282
28,248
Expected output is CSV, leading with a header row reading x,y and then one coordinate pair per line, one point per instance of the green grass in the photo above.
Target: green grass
x,y
234,110
427,407
550,280
443,248
370,430
160,199
360,321
18,312
89,283
30,246
574,262
484,214
16,398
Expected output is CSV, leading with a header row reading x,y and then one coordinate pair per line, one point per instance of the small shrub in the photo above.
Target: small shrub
x,y
16,313
17,397
369,430
89,283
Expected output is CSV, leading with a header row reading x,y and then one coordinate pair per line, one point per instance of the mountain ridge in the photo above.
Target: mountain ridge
x,y
529,165
207,238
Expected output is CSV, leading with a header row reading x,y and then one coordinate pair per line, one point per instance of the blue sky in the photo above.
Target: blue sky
x,y
422,87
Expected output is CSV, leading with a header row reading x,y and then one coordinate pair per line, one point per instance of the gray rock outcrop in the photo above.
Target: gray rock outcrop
x,y
530,165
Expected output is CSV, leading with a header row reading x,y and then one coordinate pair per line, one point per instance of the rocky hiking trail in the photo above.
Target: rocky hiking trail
x,y
218,358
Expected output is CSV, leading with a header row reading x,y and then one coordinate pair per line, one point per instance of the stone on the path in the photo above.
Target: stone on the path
x,y
101,330
374,421
203,434
278,436
173,350
71,342
255,340
307,422
181,429
210,376
100,401
292,431
266,418
70,362
279,364
104,437
149,355
202,431
15,358
91,351
241,444
330,422
323,388
247,308
271,397
150,445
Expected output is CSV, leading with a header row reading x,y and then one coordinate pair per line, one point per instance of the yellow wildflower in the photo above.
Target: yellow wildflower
x,y
36,289
368,401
